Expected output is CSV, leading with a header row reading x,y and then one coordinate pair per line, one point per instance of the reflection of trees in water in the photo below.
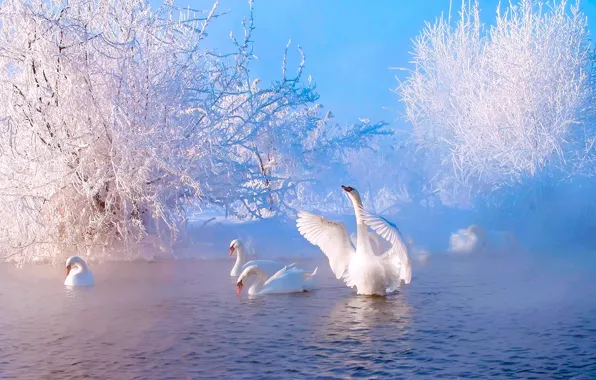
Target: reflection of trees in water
x,y
366,334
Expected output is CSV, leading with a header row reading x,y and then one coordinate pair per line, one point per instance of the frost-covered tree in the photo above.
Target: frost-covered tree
x,y
490,107
115,117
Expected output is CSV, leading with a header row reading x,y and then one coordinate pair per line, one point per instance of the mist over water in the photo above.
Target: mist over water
x,y
510,315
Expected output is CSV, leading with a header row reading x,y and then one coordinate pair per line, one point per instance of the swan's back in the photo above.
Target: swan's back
x,y
288,280
270,267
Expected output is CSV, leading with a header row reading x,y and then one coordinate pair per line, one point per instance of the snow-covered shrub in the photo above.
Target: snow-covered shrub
x,y
388,178
492,106
115,117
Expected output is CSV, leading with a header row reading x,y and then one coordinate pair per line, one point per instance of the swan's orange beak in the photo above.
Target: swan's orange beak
x,y
231,251
240,285
67,270
347,188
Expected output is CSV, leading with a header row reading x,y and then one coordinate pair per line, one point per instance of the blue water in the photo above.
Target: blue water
x,y
462,317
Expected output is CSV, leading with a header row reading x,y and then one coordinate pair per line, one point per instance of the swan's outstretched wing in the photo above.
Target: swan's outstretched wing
x,y
397,255
332,237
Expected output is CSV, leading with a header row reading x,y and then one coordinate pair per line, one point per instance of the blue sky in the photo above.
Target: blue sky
x,y
349,45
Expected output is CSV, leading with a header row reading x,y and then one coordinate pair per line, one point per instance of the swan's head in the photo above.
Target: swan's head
x,y
253,269
352,193
234,245
72,261
245,273
239,284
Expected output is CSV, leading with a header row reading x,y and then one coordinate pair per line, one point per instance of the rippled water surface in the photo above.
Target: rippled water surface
x,y
461,317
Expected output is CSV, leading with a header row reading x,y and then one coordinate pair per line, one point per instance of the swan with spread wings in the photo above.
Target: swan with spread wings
x,y
368,267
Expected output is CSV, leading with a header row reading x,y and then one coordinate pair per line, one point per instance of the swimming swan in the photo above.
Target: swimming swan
x,y
286,280
77,272
366,267
270,267
476,239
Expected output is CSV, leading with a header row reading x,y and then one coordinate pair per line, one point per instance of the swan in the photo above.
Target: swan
x,y
77,272
475,239
286,280
270,267
467,240
370,270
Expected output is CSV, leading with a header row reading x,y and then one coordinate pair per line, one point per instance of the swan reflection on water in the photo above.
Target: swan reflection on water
x,y
74,293
353,314
365,335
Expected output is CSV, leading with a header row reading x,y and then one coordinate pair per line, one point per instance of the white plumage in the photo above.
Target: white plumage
x,y
77,272
367,267
286,280
270,267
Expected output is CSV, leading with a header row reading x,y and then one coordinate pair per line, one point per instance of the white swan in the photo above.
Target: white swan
x,y
286,280
371,272
77,272
270,267
475,239
467,240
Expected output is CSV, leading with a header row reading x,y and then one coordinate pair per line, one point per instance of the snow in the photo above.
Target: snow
x,y
118,121
492,107
127,137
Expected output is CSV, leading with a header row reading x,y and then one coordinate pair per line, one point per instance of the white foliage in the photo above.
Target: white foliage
x,y
114,118
490,107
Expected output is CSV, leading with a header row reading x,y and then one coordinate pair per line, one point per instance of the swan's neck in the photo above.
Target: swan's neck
x,y
362,241
255,288
260,280
78,269
240,259
357,203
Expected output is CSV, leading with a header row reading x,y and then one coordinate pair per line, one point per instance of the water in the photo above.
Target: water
x,y
506,316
